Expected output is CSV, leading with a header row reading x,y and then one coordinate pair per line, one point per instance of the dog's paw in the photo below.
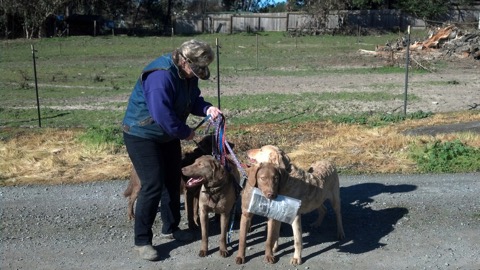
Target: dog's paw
x,y
224,253
240,260
296,261
341,235
202,253
270,259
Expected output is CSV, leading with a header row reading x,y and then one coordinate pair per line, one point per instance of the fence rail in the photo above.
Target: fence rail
x,y
229,23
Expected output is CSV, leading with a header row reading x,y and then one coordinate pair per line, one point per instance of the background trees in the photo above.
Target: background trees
x,y
27,18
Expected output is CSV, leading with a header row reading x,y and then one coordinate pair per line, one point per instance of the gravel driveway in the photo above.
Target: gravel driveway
x,y
391,222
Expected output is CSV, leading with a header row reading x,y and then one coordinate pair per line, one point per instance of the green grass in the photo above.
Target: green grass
x,y
117,60
248,109
442,157
378,119
251,109
83,70
63,118
96,136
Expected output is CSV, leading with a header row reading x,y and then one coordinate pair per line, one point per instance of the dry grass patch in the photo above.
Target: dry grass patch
x,y
55,156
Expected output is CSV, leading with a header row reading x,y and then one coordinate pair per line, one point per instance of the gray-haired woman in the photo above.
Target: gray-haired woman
x,y
165,94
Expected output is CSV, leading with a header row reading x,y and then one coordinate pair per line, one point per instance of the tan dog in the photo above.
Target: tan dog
x,y
261,177
204,147
218,195
313,188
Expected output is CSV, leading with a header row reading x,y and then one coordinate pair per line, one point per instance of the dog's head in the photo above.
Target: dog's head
x,y
271,154
266,177
205,170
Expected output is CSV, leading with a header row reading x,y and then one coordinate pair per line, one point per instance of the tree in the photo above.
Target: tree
x,y
425,9
34,14
372,4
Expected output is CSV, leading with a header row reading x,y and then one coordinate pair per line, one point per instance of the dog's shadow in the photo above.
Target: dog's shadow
x,y
364,227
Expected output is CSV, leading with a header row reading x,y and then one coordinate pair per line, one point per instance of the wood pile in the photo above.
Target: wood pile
x,y
444,42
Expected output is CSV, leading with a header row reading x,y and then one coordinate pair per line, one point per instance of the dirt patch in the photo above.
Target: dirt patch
x,y
455,88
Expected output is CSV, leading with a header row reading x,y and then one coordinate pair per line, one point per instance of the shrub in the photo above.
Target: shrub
x,y
447,157
102,136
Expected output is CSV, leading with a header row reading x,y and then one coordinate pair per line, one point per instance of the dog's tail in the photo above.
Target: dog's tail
x,y
133,178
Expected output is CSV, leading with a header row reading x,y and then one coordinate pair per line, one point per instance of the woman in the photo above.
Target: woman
x,y
165,94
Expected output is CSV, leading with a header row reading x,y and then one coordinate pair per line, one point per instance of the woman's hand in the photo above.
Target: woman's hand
x,y
214,112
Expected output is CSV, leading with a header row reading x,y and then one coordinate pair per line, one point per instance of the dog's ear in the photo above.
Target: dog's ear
x,y
252,175
273,158
279,158
285,160
218,170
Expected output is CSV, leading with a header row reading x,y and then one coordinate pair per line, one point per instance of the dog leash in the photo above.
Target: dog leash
x,y
223,143
221,155
201,122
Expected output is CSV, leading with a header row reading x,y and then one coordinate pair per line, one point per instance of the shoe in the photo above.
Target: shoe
x,y
179,235
167,236
147,252
183,236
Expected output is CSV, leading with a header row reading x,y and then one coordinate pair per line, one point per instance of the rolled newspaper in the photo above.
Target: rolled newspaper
x,y
282,208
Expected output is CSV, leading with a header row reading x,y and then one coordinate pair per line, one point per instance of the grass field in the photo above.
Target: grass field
x,y
80,71
84,83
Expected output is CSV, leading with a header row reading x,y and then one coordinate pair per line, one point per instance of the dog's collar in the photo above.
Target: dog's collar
x,y
214,192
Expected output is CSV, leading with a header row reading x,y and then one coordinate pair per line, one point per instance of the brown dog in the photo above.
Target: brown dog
x,y
259,178
313,188
218,195
204,147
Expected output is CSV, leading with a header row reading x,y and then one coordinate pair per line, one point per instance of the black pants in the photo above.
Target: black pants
x,y
158,166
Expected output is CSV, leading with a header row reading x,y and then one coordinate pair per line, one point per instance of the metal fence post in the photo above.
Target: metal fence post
x,y
406,71
218,72
36,85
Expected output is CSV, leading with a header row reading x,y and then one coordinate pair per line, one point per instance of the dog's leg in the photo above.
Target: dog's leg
x,y
130,213
276,238
297,240
273,232
223,234
131,192
189,209
337,208
245,223
204,226
194,205
321,211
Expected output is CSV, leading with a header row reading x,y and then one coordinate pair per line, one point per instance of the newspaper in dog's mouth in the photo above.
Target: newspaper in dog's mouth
x,y
282,208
